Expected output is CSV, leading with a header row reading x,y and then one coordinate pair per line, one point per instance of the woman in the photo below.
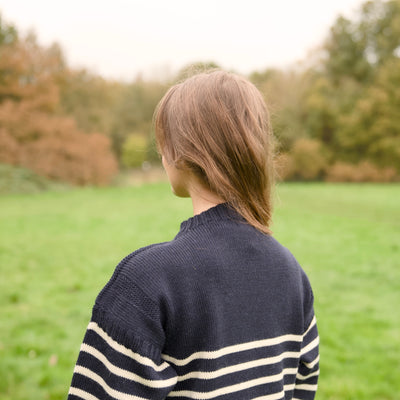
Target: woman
x,y
223,310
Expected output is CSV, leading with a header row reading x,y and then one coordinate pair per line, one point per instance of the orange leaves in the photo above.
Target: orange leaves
x,y
32,135
52,146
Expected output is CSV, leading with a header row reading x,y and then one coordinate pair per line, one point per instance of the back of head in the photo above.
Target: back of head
x,y
216,124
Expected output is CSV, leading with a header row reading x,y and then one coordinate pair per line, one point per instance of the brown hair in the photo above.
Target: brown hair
x,y
216,124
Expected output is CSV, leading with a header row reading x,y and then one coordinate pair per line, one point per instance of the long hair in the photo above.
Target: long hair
x,y
217,125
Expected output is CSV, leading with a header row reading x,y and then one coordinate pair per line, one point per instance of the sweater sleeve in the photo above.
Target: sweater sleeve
x,y
308,371
120,357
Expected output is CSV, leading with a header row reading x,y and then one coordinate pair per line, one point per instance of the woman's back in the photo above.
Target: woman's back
x,y
223,308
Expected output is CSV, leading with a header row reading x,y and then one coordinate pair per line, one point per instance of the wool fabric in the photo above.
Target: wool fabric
x,y
223,311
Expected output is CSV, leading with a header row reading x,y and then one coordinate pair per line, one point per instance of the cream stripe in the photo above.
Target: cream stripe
x,y
307,387
98,379
312,323
127,374
301,377
312,345
275,396
312,364
233,388
238,367
124,350
233,349
82,394
288,387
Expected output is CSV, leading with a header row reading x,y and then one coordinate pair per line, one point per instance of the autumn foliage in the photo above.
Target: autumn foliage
x,y
336,116
33,134
52,146
363,172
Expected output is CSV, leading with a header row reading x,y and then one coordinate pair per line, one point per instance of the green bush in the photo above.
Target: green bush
x,y
21,180
306,161
134,150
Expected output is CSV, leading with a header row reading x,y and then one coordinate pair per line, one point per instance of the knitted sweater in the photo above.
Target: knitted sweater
x,y
223,311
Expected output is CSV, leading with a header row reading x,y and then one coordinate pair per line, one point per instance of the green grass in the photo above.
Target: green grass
x,y
57,250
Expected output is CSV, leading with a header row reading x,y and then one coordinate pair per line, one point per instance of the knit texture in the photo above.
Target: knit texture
x,y
223,311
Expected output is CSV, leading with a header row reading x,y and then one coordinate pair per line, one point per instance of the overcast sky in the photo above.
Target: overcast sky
x,y
121,38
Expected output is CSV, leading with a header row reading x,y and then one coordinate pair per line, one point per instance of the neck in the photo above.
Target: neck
x,y
203,199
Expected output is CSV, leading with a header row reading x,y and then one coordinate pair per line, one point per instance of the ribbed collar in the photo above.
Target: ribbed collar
x,y
214,214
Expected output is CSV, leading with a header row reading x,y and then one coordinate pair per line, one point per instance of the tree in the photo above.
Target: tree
x,y
346,52
89,99
357,48
134,112
284,93
373,127
380,27
53,147
352,103
32,133
8,33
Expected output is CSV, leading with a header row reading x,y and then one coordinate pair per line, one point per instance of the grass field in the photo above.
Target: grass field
x,y
57,250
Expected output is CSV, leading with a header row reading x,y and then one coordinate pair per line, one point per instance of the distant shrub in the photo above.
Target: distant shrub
x,y
362,172
134,150
306,161
22,180
53,147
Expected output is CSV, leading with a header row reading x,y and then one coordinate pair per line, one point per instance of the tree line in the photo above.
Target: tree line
x,y
336,116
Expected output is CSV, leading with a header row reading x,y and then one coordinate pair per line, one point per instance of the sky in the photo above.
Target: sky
x,y
121,39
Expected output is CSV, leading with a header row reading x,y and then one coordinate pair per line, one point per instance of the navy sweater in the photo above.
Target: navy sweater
x,y
223,311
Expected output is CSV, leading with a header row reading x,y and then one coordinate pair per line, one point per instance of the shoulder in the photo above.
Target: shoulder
x,y
154,259
132,298
138,266
145,272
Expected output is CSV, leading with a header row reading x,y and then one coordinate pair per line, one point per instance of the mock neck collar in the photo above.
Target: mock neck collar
x,y
214,214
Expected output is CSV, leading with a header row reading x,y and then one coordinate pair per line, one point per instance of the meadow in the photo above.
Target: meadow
x,y
58,249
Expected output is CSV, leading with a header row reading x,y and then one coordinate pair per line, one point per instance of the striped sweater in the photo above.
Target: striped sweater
x,y
223,311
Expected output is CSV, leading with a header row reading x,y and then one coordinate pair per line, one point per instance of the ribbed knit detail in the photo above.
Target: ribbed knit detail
x,y
215,214
222,311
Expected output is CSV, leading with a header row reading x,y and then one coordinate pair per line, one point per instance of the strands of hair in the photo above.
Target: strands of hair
x,y
216,124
